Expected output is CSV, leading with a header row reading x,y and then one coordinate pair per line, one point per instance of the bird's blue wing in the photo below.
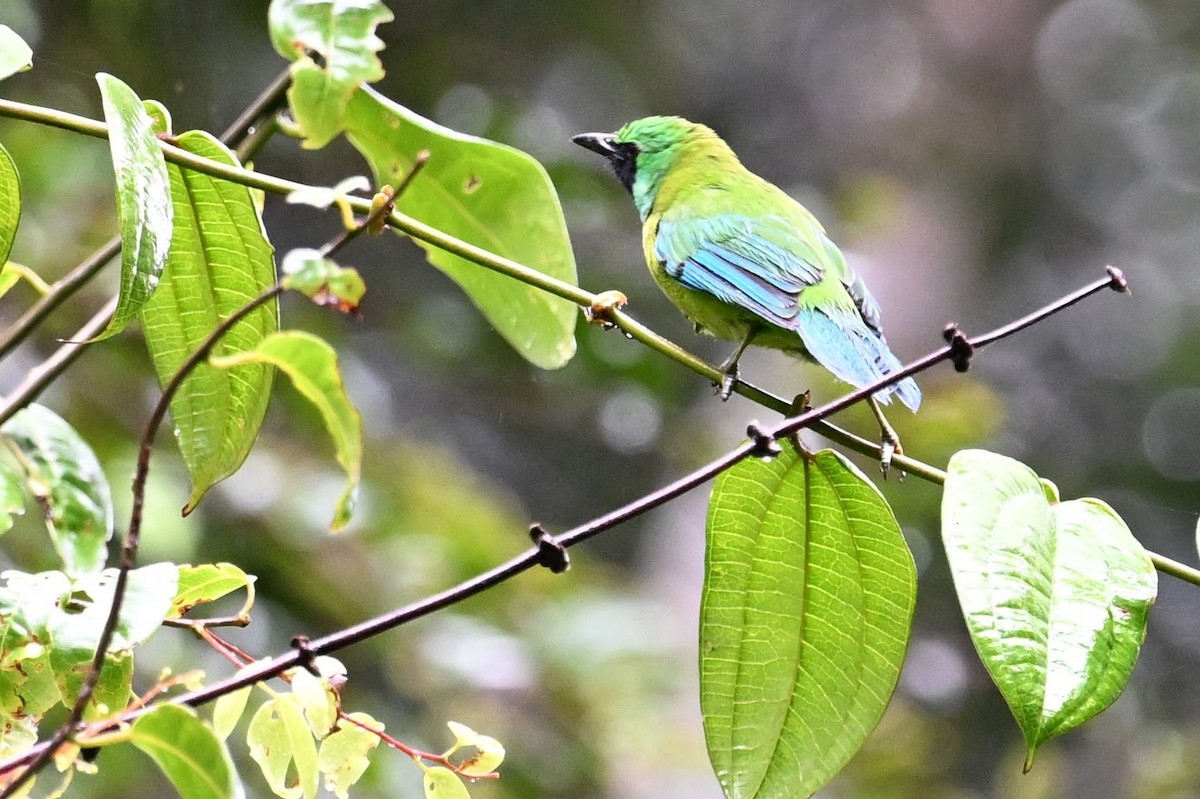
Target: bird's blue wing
x,y
757,263
762,264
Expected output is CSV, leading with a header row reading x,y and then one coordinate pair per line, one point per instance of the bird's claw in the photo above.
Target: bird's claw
x,y
888,448
600,311
729,379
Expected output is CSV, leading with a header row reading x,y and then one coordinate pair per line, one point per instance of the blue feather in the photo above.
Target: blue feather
x,y
853,352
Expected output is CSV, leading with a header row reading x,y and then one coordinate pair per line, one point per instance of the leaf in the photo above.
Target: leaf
x,y
279,738
317,701
343,755
228,710
12,498
442,783
189,753
322,280
489,753
148,594
10,203
490,195
312,365
1055,595
64,476
220,259
209,582
808,600
333,46
143,198
15,56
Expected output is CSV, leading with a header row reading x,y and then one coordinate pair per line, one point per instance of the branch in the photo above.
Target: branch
x,y
550,551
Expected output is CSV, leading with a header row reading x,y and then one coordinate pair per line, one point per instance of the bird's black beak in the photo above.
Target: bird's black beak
x,y
602,143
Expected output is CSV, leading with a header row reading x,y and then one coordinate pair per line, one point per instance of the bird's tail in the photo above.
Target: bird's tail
x,y
853,352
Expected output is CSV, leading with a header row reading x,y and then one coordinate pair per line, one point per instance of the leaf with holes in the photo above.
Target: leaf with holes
x,y
808,599
490,195
209,582
280,741
144,207
1055,594
333,47
344,755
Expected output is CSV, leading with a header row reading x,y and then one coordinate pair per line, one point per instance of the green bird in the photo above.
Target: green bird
x,y
744,261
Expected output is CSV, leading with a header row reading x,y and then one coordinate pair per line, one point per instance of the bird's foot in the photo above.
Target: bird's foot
x,y
729,379
801,404
600,311
889,447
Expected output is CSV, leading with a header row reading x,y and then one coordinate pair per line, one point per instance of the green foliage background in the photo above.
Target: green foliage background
x,y
974,158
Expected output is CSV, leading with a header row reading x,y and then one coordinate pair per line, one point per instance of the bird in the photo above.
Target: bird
x,y
746,262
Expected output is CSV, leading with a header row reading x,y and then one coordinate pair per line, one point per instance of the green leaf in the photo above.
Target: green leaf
x,y
12,497
189,753
341,35
38,689
228,710
143,198
148,594
312,365
322,280
442,783
487,194
1055,596
808,600
317,701
10,204
344,755
488,755
280,740
220,259
208,582
62,473
15,56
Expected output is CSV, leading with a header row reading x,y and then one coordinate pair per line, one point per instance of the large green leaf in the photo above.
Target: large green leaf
x,y
1055,594
490,195
220,259
15,55
341,36
312,365
144,207
10,204
808,598
189,753
62,472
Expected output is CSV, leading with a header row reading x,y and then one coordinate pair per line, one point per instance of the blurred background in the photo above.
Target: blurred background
x,y
975,159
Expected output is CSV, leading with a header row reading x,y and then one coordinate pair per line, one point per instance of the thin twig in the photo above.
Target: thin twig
x,y
45,373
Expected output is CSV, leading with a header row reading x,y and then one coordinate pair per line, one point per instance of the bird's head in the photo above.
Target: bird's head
x,y
644,151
